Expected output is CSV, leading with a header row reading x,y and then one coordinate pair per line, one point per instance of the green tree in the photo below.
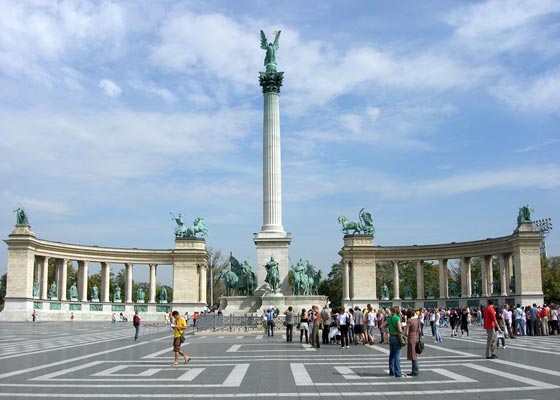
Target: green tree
x,y
332,286
550,270
3,281
216,263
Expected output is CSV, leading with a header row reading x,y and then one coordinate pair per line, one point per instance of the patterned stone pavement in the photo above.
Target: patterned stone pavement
x,y
81,360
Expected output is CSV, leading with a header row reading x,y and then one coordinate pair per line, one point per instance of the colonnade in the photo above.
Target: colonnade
x,y
518,257
506,275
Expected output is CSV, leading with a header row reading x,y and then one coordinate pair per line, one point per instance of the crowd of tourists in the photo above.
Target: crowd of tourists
x,y
356,326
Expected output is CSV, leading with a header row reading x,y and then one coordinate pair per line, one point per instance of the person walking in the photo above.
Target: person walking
x,y
343,324
393,325
136,324
179,326
413,334
304,326
326,319
437,325
464,321
453,319
289,324
491,325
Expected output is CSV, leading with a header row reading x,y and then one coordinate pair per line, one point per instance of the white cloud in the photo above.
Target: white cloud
x,y
110,88
536,146
152,88
537,94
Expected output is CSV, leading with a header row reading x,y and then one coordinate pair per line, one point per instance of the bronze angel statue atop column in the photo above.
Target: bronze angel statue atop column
x,y
270,58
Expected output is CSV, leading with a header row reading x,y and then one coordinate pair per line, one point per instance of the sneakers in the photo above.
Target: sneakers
x,y
492,357
347,347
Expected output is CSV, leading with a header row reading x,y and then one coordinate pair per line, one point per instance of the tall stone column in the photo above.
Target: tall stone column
x,y
420,279
105,281
62,284
503,275
128,283
83,280
272,240
485,264
443,292
509,271
44,277
466,277
490,270
374,281
346,281
396,281
153,283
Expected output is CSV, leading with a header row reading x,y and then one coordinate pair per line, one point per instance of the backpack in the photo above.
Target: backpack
x,y
136,320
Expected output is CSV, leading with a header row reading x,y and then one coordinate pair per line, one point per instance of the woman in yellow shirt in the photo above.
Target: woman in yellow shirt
x,y
179,328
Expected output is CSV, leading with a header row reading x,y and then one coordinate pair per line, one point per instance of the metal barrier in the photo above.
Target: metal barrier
x,y
230,323
152,327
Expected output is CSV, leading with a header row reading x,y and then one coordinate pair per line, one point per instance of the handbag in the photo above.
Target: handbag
x,y
402,339
419,347
285,323
182,338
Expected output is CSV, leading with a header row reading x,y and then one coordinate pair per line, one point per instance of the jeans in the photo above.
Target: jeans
x,y
437,334
343,335
270,328
394,356
519,327
289,332
137,332
415,368
325,334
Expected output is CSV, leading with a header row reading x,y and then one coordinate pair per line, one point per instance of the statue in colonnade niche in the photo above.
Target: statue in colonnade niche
x,y
73,291
431,292
474,287
117,295
525,214
408,292
35,289
140,295
163,295
94,293
496,287
21,217
453,289
52,290
384,292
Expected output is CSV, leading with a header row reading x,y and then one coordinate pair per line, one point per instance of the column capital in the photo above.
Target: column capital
x,y
271,82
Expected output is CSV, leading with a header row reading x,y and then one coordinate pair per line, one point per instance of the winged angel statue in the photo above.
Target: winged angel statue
x,y
270,58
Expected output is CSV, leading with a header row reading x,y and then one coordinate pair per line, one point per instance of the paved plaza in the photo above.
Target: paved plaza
x,y
101,360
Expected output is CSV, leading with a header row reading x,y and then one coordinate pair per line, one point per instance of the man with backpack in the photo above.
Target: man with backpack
x,y
136,323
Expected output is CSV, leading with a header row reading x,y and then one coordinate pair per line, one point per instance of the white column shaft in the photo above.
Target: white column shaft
x,y
128,283
202,284
153,283
63,278
396,281
485,261
44,277
443,292
105,281
272,165
503,273
420,280
346,281
83,275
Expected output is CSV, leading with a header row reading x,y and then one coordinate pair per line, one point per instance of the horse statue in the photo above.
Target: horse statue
x,y
230,281
364,226
246,277
299,278
198,227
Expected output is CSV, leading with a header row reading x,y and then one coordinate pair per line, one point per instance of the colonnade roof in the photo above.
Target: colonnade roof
x,y
453,250
100,254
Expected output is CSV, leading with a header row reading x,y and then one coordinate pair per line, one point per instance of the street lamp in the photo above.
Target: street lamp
x,y
544,226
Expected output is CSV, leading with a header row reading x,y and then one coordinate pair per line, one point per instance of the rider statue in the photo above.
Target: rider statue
x,y
272,274
21,217
525,214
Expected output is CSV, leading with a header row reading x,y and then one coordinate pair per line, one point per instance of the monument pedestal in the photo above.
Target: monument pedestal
x,y
273,244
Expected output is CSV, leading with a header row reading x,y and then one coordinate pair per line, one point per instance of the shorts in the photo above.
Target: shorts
x,y
358,329
177,344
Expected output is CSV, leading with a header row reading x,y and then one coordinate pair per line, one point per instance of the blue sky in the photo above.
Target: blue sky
x,y
440,117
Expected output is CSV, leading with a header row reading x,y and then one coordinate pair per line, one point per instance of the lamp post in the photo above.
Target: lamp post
x,y
544,226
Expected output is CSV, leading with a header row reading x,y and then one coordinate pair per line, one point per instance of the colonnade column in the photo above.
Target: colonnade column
x,y
44,277
396,281
443,292
491,275
374,283
83,280
420,279
202,283
503,269
153,283
509,272
63,266
37,269
466,277
128,283
485,264
105,281
346,281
